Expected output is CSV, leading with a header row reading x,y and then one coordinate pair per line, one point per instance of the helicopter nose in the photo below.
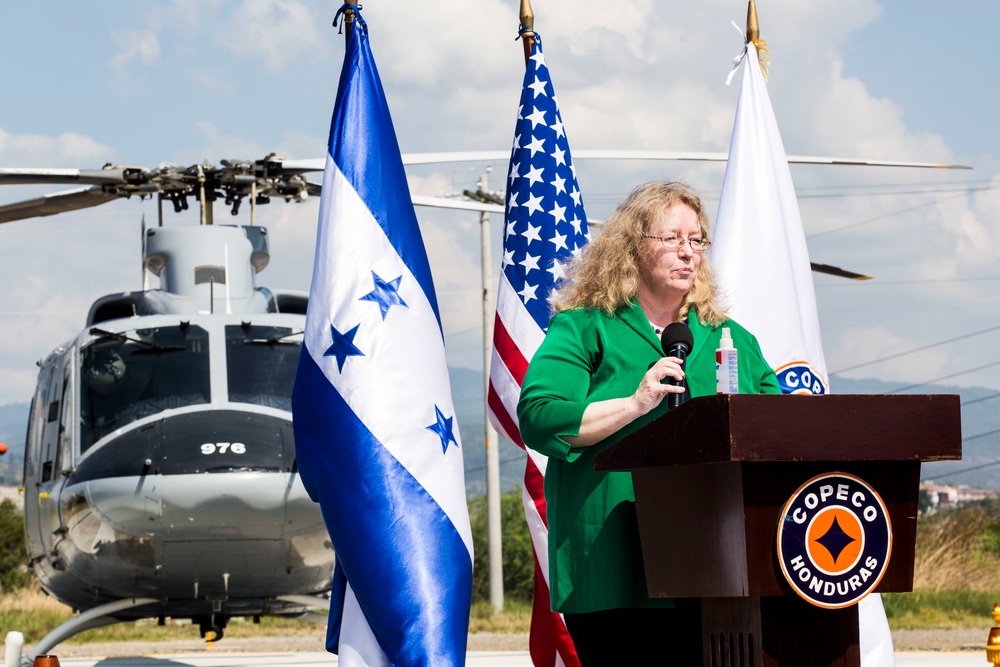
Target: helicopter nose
x,y
192,476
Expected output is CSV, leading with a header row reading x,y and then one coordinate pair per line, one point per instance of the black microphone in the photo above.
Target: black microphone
x,y
676,341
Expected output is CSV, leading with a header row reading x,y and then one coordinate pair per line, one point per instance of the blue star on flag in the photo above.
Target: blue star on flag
x,y
385,294
444,429
343,346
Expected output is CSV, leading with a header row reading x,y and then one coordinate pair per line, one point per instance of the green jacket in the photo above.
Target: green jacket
x,y
595,561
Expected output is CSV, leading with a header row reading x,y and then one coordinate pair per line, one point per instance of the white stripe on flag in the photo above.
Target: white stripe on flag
x,y
358,646
518,322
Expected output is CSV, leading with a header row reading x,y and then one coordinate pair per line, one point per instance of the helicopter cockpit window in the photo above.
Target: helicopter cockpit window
x,y
204,274
261,362
132,374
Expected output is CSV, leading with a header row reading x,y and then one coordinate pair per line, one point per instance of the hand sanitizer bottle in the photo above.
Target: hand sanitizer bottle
x,y
727,370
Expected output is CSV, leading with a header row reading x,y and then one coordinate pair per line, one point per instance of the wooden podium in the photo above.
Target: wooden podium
x,y
712,477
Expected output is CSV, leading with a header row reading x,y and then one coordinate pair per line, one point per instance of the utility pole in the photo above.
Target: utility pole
x,y
493,532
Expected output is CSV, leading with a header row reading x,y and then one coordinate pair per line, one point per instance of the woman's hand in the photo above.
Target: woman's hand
x,y
652,389
603,418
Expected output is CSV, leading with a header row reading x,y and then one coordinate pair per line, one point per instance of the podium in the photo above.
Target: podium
x,y
712,479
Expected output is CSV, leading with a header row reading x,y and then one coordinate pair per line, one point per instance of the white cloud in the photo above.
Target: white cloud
x,y
65,150
273,33
447,44
135,45
190,18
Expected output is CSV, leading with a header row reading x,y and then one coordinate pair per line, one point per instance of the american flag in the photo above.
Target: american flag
x,y
545,226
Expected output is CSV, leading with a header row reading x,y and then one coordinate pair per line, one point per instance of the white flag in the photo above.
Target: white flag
x,y
760,249
763,270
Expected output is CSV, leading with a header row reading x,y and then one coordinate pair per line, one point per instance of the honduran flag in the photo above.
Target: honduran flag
x,y
763,269
376,438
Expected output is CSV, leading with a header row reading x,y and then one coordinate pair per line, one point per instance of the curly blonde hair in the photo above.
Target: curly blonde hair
x,y
605,275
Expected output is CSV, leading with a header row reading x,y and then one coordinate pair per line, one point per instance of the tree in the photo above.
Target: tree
x,y
13,554
518,558
924,502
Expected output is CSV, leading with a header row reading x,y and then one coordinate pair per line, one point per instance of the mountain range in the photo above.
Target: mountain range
x,y
979,467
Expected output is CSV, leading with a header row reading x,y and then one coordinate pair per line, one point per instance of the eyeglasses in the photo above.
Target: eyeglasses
x,y
675,242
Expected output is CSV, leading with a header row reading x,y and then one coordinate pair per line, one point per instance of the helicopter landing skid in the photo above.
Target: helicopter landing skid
x,y
312,603
88,620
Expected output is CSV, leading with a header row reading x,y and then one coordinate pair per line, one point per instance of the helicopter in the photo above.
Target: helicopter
x,y
159,476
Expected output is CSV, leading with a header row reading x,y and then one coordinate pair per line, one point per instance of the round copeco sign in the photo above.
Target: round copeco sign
x,y
834,540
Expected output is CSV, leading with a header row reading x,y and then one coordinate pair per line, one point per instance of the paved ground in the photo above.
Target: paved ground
x,y
903,640
941,640
924,648
289,643
475,659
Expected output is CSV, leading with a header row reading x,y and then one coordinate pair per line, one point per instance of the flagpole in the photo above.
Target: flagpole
x,y
527,28
348,22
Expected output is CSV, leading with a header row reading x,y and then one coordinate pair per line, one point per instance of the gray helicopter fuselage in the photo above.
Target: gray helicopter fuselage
x,y
160,455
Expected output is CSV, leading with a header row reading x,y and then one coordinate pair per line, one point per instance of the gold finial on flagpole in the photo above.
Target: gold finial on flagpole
x,y
349,22
753,37
527,28
753,28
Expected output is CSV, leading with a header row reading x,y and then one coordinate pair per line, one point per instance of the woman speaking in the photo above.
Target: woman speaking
x,y
599,375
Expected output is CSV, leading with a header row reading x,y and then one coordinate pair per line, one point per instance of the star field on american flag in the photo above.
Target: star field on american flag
x,y
545,221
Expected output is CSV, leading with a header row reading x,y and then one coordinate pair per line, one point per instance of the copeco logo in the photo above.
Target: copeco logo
x,y
798,377
834,540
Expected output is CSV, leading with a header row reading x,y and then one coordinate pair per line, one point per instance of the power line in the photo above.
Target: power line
x,y
889,215
843,195
944,377
981,435
883,283
964,470
917,349
921,184
502,462
979,400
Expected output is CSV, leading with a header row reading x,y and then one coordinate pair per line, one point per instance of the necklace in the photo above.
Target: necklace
x,y
659,330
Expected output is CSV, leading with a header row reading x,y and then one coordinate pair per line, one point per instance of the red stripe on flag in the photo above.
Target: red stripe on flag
x,y
509,351
503,416
534,484
548,631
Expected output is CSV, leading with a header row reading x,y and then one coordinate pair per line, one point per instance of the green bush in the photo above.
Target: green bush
x,y
13,554
939,609
518,558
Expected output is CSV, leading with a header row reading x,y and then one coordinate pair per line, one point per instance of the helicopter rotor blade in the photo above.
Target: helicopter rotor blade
x,y
109,176
460,204
318,164
56,202
837,271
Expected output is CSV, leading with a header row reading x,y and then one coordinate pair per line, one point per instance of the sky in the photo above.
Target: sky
x,y
185,81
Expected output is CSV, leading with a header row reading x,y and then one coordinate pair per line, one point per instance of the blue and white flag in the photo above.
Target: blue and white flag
x,y
763,269
375,431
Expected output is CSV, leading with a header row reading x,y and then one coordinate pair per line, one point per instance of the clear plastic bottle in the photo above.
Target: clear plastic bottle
x,y
727,369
